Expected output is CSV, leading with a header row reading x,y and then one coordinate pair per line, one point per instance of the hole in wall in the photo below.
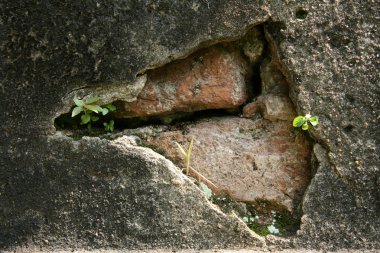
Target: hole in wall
x,y
75,129
301,13
233,98
348,128
254,90
219,96
350,98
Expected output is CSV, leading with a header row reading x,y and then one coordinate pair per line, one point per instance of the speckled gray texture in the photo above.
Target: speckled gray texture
x,y
95,193
331,59
51,48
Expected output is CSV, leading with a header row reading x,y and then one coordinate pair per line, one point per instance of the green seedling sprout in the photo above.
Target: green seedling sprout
x,y
303,121
109,127
186,155
88,107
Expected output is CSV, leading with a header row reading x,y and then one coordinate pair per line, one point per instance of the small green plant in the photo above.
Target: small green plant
x,y
207,191
89,109
186,155
109,126
303,121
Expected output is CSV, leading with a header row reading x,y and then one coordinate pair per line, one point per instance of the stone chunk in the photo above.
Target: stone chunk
x,y
214,78
272,80
278,108
274,102
246,159
272,107
109,193
253,46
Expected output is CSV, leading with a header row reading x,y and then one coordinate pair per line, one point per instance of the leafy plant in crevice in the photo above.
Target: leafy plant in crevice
x,y
109,126
90,109
254,225
266,217
303,121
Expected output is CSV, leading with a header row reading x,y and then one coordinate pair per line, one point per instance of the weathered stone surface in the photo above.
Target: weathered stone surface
x,y
214,78
272,107
246,159
253,45
37,249
50,48
272,80
273,103
333,71
97,193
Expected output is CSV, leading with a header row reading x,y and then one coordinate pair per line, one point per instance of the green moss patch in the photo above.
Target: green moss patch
x,y
262,216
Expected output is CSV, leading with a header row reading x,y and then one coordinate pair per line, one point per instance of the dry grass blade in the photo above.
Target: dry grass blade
x,y
189,170
186,155
181,149
189,155
200,178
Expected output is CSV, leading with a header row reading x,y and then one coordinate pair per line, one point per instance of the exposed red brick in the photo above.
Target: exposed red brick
x,y
213,78
247,159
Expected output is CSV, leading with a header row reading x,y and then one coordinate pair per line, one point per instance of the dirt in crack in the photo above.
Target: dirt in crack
x,y
234,100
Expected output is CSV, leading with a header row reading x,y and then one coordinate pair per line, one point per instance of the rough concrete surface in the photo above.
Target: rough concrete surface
x,y
199,251
57,193
109,194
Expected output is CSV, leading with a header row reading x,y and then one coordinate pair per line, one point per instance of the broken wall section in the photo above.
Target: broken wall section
x,y
234,100
254,154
